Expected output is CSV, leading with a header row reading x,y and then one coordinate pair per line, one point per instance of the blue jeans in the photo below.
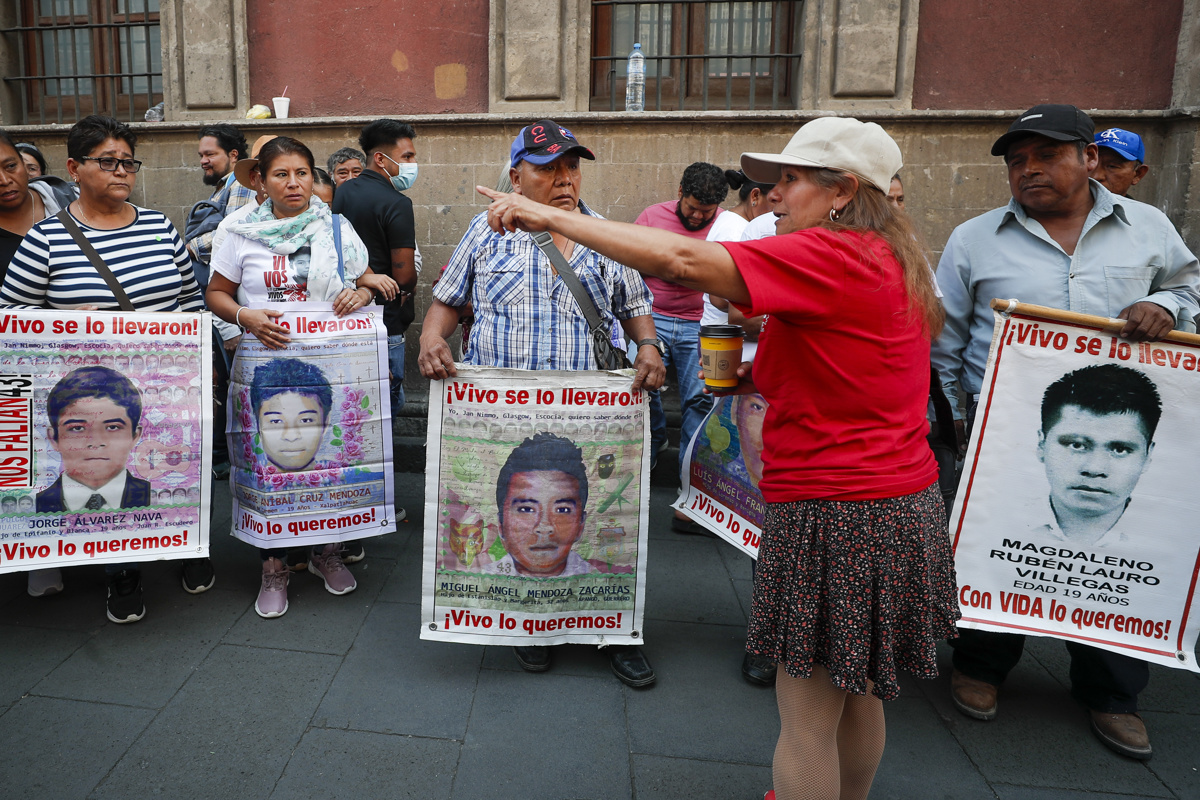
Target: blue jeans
x,y
396,366
681,337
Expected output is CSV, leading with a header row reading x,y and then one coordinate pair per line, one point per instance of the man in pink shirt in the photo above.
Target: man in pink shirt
x,y
677,309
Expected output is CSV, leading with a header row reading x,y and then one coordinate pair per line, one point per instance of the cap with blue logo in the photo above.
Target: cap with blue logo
x,y
544,141
1127,144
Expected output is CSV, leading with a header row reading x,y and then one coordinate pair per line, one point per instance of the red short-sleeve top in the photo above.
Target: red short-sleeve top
x,y
843,364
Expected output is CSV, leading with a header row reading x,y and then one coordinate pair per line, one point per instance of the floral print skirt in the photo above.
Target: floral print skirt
x,y
860,587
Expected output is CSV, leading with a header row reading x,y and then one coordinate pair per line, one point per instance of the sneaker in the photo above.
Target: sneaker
x,y
297,559
44,582
125,596
328,564
400,515
272,597
352,552
198,575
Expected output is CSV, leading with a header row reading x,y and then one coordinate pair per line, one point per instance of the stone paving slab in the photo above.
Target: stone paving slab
x,y
688,583
146,663
545,736
394,682
230,730
922,759
40,651
62,748
353,765
701,708
1176,759
662,778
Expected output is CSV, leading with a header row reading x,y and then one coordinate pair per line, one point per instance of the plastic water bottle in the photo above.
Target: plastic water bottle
x,y
635,80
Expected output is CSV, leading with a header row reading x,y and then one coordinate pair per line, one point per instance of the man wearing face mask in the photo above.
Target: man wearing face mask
x,y
383,218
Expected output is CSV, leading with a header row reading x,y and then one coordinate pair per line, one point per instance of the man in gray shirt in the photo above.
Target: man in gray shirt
x,y
1066,242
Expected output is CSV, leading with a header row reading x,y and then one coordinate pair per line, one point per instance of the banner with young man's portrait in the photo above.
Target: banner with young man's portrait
x,y
310,437
1076,512
722,467
104,417
536,508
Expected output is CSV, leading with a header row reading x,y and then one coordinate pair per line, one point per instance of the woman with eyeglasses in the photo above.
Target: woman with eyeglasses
x,y
140,246
144,252
35,162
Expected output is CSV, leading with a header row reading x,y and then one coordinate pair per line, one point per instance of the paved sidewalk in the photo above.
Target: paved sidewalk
x,y
340,699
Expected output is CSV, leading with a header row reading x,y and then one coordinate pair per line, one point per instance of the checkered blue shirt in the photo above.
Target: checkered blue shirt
x,y
525,316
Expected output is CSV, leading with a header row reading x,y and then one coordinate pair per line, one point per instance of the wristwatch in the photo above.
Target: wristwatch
x,y
656,343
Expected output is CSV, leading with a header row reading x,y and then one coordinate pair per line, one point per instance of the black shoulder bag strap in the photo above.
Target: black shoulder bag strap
x,y
113,284
546,244
607,356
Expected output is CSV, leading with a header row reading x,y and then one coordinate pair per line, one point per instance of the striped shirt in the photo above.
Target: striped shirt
x,y
525,316
147,257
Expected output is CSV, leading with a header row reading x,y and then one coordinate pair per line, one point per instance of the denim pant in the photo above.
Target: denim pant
x,y
396,366
681,338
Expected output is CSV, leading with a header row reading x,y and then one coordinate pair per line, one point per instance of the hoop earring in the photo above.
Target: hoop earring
x,y
834,214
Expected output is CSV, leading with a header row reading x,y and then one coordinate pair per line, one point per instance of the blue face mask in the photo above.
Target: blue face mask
x,y
406,176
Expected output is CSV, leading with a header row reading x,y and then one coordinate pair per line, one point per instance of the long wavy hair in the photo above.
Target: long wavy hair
x,y
869,210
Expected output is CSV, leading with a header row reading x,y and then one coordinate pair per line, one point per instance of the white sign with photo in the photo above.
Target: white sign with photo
x,y
536,508
1077,511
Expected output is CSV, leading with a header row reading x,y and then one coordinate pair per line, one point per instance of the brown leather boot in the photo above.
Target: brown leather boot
x,y
1122,733
976,699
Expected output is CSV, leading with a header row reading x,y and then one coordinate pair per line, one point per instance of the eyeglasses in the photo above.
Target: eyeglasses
x,y
109,164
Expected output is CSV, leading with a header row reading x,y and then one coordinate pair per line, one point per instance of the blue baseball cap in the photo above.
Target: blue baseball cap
x,y
1126,143
544,141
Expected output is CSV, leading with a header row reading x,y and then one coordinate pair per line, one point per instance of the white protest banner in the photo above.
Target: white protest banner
x,y
105,420
536,508
1076,514
722,468
310,435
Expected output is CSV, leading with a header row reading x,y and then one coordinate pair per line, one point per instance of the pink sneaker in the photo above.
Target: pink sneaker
x,y
328,564
272,597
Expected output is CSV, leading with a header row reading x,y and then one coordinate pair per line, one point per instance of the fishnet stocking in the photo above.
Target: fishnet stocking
x,y
830,741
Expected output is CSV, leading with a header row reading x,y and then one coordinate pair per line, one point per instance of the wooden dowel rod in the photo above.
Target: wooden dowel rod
x,y
1073,318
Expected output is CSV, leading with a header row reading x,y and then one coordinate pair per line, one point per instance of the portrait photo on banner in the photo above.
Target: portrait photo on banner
x,y
551,500
727,459
1076,513
103,433
307,423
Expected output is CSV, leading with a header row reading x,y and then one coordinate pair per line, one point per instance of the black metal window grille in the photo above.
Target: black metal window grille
x,y
699,54
81,57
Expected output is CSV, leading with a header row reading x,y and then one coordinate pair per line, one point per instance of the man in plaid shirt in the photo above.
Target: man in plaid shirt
x,y
527,318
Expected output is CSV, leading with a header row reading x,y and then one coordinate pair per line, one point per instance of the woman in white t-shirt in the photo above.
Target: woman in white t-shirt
x,y
283,252
752,203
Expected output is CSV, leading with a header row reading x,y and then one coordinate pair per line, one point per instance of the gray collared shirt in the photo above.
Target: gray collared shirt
x,y
1128,252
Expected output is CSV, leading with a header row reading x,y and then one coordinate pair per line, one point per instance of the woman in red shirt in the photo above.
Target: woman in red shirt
x,y
855,575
